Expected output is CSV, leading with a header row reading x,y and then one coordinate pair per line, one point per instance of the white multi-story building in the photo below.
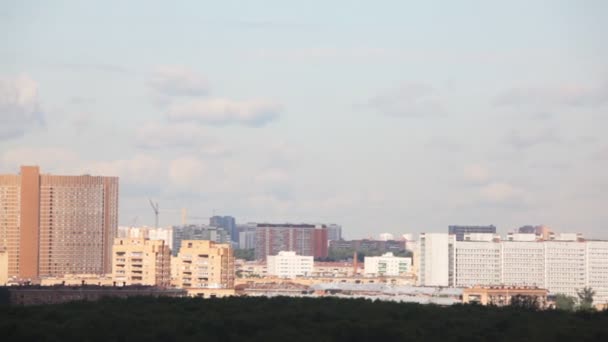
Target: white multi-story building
x,y
387,265
289,265
559,266
434,259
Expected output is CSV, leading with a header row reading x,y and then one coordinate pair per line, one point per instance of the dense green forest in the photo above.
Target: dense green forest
x,y
291,319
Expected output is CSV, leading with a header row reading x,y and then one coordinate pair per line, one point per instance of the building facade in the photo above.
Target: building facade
x,y
334,232
139,261
289,265
434,259
304,239
204,264
228,223
387,265
197,232
459,231
54,225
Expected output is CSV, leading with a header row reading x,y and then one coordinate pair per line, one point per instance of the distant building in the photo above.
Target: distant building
x,y
304,239
386,237
289,265
3,266
228,223
434,259
387,265
197,232
247,240
139,261
53,225
334,232
459,231
503,295
204,264
165,234
369,246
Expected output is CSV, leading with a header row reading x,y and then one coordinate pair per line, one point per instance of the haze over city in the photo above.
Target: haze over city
x,y
386,116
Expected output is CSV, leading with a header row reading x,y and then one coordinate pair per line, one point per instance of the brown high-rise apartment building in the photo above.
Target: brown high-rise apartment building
x,y
55,225
304,239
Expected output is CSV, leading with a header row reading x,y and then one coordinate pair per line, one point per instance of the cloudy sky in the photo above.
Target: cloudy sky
x,y
383,116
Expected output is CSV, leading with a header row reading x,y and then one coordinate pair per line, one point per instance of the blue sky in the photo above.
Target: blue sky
x,y
384,116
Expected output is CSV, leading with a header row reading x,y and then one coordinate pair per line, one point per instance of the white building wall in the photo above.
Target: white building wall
x,y
523,263
434,259
477,263
565,266
597,269
289,265
388,265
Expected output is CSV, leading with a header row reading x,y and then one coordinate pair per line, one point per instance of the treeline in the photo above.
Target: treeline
x,y
291,319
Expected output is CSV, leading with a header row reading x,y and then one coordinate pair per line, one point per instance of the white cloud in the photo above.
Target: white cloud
x,y
157,135
519,140
546,97
225,112
476,173
50,159
500,192
410,100
139,170
178,81
187,173
19,106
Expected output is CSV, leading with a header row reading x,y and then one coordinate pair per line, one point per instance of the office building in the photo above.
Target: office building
x,y
204,264
387,265
289,265
197,232
434,259
54,225
459,231
139,261
228,223
304,239
334,232
559,266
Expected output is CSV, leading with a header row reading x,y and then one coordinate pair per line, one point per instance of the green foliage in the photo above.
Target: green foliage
x,y
246,254
585,298
525,302
565,302
291,319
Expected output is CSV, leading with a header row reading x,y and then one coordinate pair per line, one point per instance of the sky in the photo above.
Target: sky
x,y
381,116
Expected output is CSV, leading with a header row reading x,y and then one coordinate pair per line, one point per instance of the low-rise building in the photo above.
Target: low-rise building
x,y
139,261
288,264
387,265
503,295
204,264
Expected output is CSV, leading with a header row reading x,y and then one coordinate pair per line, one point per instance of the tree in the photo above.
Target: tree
x,y
246,254
525,302
565,302
585,297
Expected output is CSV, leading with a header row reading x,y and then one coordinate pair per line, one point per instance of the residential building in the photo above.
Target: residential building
x,y
304,239
139,261
3,266
459,231
54,225
476,262
387,265
288,264
228,223
204,264
334,232
434,259
197,232
247,240
366,246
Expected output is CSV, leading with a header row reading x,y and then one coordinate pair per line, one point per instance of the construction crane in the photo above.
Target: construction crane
x,y
156,211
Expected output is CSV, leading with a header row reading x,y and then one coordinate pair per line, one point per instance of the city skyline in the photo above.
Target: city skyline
x,y
372,117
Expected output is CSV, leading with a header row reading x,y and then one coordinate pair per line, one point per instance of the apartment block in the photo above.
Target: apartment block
x,y
54,225
387,265
434,267
139,261
204,264
304,239
289,265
